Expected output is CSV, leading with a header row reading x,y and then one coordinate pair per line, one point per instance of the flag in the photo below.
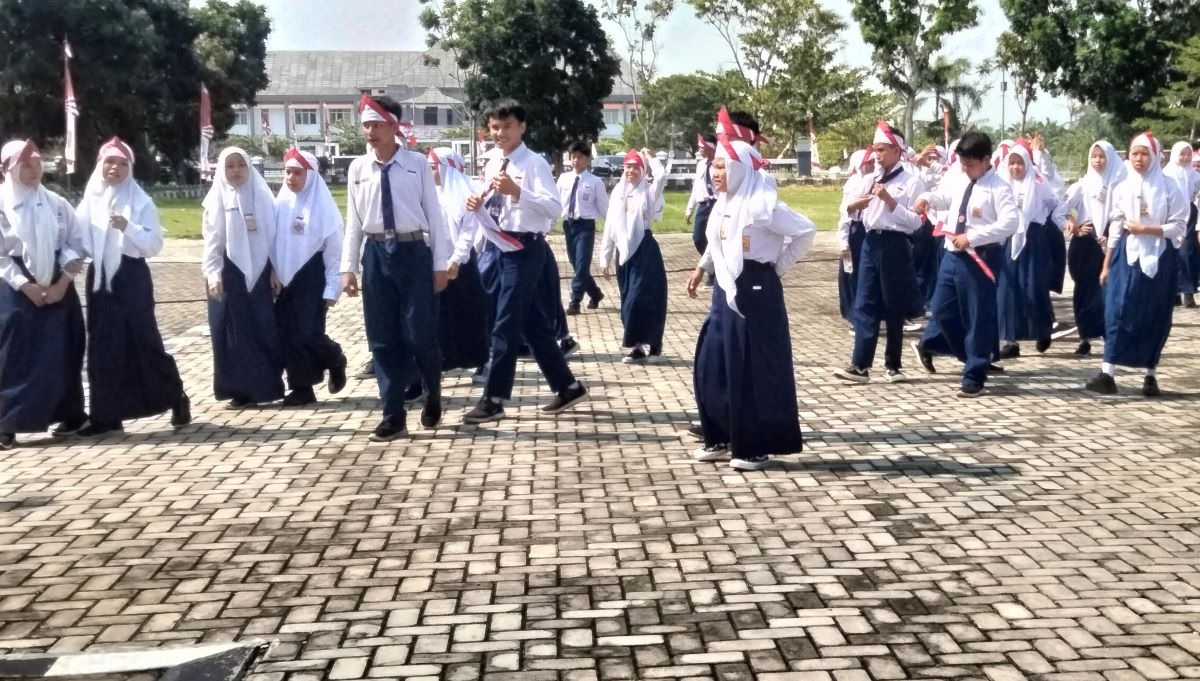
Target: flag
x,y
812,142
71,107
265,119
946,126
206,130
325,126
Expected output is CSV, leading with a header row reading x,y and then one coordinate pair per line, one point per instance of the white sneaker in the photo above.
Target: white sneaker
x,y
754,464
913,326
652,358
713,453
894,376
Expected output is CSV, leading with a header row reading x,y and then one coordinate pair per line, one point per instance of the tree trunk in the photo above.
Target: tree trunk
x,y
910,110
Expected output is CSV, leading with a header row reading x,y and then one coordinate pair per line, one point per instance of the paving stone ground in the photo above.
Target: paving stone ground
x,y
1036,533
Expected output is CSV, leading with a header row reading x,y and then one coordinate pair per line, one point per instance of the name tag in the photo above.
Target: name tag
x,y
298,226
1103,195
1145,209
745,243
251,223
977,212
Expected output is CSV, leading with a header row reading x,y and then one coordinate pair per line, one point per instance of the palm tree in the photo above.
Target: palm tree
x,y
959,84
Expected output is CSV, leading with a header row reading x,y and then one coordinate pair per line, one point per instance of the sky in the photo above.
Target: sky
x,y
687,43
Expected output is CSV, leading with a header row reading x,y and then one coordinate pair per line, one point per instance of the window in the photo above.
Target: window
x,y
241,117
612,117
430,116
304,117
338,116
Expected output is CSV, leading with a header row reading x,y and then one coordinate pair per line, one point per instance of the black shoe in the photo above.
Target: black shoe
x,y
431,415
594,301
7,441
972,391
853,374
69,427
636,356
567,399
337,376
573,309
485,412
1010,351
98,429
1102,383
387,431
181,413
414,394
696,432
1150,387
1084,349
366,371
238,403
995,369
1043,344
923,357
300,397
1189,301
568,346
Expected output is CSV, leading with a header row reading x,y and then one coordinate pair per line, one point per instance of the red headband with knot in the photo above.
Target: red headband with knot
x,y
295,155
634,157
118,145
702,143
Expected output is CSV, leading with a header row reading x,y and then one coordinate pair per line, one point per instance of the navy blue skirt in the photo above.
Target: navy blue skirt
x,y
1138,309
1085,259
41,360
1056,244
300,313
927,258
1189,257
642,281
1023,289
130,374
744,378
848,281
247,352
464,310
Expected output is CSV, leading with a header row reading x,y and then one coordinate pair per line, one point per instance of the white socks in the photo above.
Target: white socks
x,y
1110,369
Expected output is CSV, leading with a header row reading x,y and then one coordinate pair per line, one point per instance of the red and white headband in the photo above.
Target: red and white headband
x,y
371,110
294,158
14,155
702,143
116,147
726,126
634,157
1148,140
884,135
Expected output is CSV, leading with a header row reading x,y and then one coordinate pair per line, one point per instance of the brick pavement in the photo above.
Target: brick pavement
x,y
1035,533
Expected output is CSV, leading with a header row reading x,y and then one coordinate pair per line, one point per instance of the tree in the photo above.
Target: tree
x,y
685,103
1175,111
637,23
552,56
232,54
1016,56
857,129
904,38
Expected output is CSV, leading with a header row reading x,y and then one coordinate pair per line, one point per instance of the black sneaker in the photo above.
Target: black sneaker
x,y
238,403
7,441
366,371
485,412
69,427
994,368
972,391
1010,351
925,359
1102,383
573,309
696,432
635,356
1084,349
98,429
1043,344
568,346
1150,387
594,302
567,399
853,374
387,431
415,394
181,413
1189,301
337,376
431,415
300,397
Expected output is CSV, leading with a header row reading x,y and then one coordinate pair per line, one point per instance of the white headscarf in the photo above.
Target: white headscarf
x,y
455,188
227,205
749,201
30,212
1098,186
313,210
1029,207
100,202
633,208
1187,179
1150,189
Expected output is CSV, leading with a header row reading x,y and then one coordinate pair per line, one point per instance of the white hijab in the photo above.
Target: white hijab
x,y
1098,186
1030,207
634,208
227,205
100,202
455,188
749,201
1187,179
312,211
1152,189
30,212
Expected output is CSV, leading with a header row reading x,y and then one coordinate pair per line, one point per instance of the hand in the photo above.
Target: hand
x,y
1087,228
1037,143
350,284
846,253
474,202
882,194
647,153
329,303
1103,241
1135,227
276,284
452,271
216,291
927,154
687,219
694,281
57,291
504,184
860,203
35,293
921,206
1071,227
440,280
118,222
1104,275
961,242
74,267
606,272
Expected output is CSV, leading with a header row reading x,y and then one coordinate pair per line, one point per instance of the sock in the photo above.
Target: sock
x,y
575,386
1110,369
1151,373
496,400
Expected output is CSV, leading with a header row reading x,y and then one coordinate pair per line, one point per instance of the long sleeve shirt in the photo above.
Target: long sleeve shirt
x,y
538,206
781,243
904,188
992,214
591,198
700,187
67,243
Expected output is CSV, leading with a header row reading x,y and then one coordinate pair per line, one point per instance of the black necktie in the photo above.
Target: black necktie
x,y
890,176
495,205
385,191
961,226
571,201
708,185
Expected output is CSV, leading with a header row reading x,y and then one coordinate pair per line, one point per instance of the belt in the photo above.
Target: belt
x,y
526,237
885,231
416,235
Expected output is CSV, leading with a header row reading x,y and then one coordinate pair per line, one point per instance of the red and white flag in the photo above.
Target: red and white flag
x,y
265,118
812,142
206,130
71,107
325,127
946,125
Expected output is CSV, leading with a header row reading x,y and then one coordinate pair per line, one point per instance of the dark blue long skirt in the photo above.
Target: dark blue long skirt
x,y
927,258
130,374
848,281
1138,309
247,352
1056,244
300,313
1023,289
642,281
1085,259
549,293
41,360
1189,257
744,379
464,334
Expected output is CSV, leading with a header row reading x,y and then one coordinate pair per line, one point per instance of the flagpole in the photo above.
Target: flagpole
x,y
71,112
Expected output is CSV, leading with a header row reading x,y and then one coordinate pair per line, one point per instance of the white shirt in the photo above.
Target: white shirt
x,y
700,191
539,205
992,214
591,199
67,243
782,244
414,204
141,238
904,188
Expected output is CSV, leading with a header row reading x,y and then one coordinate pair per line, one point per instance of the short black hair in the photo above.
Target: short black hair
x,y
746,120
709,137
975,145
1196,145
580,148
391,106
505,108
896,133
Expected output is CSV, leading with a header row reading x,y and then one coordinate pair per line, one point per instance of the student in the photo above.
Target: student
x,y
396,235
130,374
41,322
636,203
964,302
1091,201
584,201
1147,225
744,378
521,201
886,281
306,278
1179,170
239,230
703,196
850,229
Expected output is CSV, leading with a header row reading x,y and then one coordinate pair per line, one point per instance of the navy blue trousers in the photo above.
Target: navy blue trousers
x,y
300,312
1189,257
1085,259
549,294
964,316
848,281
581,242
400,311
519,314
886,293
643,284
700,225
247,353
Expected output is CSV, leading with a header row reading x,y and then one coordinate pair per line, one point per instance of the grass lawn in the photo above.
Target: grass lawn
x,y
820,204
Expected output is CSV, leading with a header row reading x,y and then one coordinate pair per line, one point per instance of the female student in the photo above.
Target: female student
x,y
1179,170
850,227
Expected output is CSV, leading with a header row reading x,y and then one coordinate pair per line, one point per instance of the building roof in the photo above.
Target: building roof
x,y
430,97
332,72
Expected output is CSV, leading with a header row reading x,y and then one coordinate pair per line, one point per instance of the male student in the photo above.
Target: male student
x,y
584,200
